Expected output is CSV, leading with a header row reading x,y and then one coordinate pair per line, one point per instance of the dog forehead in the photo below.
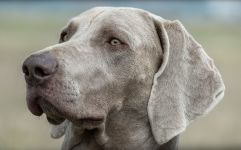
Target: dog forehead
x,y
111,16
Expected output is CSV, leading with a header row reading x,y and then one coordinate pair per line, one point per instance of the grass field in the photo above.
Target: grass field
x,y
20,35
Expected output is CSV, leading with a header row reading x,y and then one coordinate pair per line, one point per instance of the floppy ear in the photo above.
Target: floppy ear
x,y
186,86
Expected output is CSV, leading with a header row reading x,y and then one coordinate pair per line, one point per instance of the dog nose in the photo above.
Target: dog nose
x,y
39,67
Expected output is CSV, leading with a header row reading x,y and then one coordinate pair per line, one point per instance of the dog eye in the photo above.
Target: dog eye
x,y
115,42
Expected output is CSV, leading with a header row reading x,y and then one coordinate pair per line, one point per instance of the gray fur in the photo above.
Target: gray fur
x,y
143,92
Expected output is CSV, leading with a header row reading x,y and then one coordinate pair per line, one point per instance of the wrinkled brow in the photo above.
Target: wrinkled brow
x,y
115,31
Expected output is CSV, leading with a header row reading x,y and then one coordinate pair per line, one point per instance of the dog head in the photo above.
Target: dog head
x,y
107,56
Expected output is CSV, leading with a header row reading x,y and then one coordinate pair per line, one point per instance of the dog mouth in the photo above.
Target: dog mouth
x,y
55,120
58,108
55,115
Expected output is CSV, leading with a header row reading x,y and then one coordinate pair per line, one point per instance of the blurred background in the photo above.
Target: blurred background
x,y
27,26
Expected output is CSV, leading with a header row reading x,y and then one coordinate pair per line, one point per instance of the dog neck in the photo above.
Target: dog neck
x,y
129,128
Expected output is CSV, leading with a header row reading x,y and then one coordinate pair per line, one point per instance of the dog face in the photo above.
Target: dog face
x,y
100,58
106,58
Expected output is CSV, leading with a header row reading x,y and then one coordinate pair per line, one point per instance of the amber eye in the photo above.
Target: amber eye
x,y
115,42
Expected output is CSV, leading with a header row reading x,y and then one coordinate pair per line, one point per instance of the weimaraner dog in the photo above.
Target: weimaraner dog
x,y
121,79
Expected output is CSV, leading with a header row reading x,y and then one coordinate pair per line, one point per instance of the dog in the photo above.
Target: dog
x,y
122,79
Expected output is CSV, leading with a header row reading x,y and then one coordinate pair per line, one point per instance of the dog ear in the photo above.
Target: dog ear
x,y
187,84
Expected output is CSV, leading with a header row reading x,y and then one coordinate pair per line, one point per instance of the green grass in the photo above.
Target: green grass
x,y
19,36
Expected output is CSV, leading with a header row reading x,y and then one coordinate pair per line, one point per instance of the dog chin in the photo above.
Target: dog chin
x,y
75,136
53,115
